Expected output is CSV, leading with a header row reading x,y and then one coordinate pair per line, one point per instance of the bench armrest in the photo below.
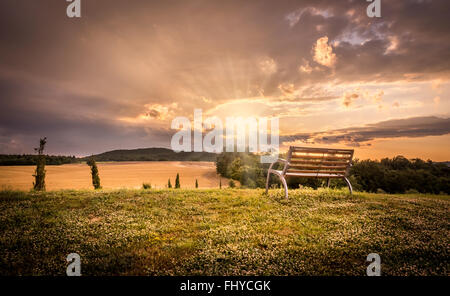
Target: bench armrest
x,y
278,160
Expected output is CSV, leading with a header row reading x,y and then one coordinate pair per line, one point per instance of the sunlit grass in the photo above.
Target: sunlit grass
x,y
223,232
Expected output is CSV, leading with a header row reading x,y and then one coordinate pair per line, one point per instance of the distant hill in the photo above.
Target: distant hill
x,y
153,154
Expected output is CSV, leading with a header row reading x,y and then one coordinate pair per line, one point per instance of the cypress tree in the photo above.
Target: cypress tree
x,y
39,175
196,183
169,185
94,172
177,181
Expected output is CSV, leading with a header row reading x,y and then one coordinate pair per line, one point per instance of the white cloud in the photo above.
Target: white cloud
x,y
294,17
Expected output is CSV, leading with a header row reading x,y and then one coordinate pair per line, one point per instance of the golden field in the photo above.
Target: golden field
x,y
114,175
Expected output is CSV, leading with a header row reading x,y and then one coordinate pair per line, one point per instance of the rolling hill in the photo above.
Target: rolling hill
x,y
153,154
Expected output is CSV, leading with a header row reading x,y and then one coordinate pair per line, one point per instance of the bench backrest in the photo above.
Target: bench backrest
x,y
318,160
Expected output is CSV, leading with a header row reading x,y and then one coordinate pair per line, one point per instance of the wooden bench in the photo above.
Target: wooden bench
x,y
313,163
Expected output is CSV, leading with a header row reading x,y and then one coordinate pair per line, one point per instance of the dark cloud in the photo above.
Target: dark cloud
x,y
73,123
72,79
355,136
215,41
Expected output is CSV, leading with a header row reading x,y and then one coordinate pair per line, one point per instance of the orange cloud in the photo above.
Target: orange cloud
x,y
348,98
323,53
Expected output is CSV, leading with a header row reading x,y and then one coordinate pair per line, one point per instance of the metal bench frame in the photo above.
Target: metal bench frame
x,y
313,163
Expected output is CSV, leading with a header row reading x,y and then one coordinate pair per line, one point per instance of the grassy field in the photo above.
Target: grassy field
x,y
223,232
115,175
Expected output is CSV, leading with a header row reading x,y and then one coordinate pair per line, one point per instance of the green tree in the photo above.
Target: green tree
x,y
94,172
236,168
177,181
169,185
220,183
39,175
196,183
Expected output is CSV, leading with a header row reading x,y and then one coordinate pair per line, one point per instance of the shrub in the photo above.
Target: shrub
x,y
231,184
379,190
146,186
412,191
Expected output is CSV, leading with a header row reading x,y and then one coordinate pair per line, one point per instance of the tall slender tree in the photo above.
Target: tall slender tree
x,y
169,185
94,172
196,183
39,175
177,181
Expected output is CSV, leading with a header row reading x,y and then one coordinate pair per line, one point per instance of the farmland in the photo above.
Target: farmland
x,y
114,175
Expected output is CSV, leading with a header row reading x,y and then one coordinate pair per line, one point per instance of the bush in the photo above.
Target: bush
x,y
231,184
412,191
146,186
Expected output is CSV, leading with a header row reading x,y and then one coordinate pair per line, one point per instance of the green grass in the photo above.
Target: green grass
x,y
223,232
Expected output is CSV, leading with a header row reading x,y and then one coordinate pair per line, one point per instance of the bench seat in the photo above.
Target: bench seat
x,y
311,175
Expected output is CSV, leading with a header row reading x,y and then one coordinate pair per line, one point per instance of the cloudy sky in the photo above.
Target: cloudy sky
x,y
117,76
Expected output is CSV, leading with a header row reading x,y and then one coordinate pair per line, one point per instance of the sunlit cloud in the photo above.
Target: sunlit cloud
x,y
319,66
323,53
393,44
156,112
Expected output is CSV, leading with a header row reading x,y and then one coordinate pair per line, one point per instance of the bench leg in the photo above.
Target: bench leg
x,y
267,181
283,180
349,185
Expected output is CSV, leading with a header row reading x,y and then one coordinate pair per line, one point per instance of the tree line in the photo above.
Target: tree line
x,y
391,175
27,159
